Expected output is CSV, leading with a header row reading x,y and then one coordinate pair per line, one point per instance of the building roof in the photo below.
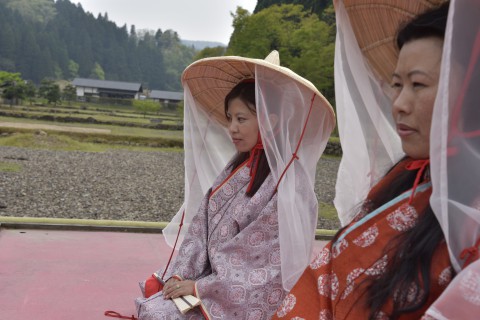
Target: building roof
x,y
105,84
166,95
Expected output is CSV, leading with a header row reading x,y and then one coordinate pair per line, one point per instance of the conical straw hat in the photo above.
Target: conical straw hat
x,y
211,79
375,24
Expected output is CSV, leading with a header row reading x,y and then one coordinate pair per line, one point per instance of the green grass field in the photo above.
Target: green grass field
x,y
6,166
327,211
115,130
55,141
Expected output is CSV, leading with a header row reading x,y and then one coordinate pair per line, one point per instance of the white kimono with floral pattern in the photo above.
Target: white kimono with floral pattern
x,y
232,252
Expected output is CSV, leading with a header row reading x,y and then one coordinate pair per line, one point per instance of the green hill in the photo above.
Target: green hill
x,y
59,40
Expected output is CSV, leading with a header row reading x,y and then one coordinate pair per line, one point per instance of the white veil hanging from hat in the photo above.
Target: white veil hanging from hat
x,y
295,122
295,126
208,148
455,160
370,143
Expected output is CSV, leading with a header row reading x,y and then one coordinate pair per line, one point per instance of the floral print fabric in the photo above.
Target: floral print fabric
x,y
333,285
232,252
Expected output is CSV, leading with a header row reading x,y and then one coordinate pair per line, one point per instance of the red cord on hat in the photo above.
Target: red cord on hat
x,y
114,314
414,165
175,245
294,155
470,254
253,161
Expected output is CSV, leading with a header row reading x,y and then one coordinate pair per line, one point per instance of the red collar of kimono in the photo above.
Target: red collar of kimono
x,y
419,165
253,161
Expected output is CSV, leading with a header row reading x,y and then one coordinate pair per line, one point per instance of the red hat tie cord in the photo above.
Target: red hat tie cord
x,y
253,161
419,165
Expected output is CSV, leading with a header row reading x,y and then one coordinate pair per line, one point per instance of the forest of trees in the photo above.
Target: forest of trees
x,y
47,39
59,40
305,40
313,6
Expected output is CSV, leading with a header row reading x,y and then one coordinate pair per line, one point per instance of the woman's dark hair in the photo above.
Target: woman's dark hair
x,y
429,24
245,91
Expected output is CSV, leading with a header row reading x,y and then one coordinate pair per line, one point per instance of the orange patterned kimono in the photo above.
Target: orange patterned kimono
x,y
332,286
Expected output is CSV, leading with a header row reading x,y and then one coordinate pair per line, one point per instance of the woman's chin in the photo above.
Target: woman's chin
x,y
241,150
415,151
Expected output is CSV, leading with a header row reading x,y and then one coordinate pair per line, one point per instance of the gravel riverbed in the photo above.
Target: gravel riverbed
x,y
116,185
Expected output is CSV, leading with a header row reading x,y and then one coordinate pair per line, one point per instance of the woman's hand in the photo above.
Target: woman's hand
x,y
175,288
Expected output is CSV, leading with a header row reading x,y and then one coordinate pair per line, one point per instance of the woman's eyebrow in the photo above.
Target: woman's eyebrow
x,y
412,73
419,72
240,113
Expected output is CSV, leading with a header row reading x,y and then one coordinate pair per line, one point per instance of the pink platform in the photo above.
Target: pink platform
x,y
54,274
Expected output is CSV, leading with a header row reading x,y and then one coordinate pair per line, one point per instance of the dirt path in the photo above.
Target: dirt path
x,y
21,125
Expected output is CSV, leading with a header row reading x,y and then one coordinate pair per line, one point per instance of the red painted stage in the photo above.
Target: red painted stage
x,y
60,274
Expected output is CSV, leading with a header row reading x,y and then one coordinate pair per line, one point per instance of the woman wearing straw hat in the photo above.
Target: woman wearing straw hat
x,y
390,260
250,210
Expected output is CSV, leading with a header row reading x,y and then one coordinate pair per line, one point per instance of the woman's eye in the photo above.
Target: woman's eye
x,y
396,85
418,85
241,119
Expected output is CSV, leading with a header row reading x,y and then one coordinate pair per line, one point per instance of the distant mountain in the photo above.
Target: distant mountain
x,y
199,45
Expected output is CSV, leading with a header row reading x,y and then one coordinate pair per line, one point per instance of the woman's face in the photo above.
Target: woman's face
x,y
415,83
243,125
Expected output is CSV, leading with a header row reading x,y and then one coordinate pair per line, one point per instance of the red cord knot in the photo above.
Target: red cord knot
x,y
114,314
295,156
470,254
253,161
419,165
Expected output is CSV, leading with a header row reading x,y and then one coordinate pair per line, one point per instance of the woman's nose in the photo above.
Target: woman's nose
x,y
232,127
402,103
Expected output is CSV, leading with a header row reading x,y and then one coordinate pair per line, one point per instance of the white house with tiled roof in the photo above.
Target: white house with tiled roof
x,y
105,88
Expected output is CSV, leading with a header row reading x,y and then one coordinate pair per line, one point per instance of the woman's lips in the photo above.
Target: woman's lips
x,y
236,141
403,130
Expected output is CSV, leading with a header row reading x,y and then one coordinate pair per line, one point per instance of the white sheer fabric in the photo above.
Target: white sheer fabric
x,y
208,148
455,159
370,143
461,299
286,122
283,111
455,142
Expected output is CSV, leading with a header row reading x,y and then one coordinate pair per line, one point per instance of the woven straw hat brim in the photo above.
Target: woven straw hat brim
x,y
211,79
375,24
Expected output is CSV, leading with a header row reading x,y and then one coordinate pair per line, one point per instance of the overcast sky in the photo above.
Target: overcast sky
x,y
208,20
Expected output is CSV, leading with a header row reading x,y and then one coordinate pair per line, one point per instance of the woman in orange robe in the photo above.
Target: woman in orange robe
x,y
391,261
336,283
